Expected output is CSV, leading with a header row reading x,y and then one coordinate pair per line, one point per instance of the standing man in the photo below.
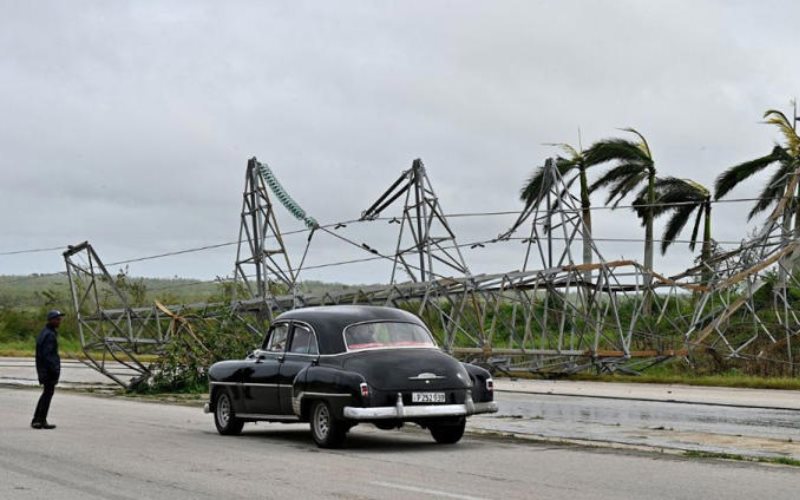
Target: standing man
x,y
48,367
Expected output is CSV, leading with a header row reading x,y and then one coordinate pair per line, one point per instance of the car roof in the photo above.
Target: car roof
x,y
330,321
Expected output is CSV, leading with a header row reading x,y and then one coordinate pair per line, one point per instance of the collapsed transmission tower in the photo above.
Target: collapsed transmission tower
x,y
110,328
261,257
117,333
747,309
556,315
431,238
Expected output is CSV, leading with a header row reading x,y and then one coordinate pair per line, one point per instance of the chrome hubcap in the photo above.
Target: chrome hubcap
x,y
322,421
223,410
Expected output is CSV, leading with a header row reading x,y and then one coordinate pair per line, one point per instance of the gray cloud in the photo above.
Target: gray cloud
x,y
129,123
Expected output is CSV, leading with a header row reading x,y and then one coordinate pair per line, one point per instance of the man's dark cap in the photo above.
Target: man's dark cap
x,y
55,313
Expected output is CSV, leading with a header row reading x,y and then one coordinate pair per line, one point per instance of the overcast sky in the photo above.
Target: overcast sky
x,y
129,124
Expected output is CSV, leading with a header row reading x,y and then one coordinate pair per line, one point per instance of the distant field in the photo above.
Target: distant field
x,y
33,291
24,301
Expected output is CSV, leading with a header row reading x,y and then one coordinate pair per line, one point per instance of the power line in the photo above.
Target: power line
x,y
352,221
473,244
337,225
170,254
30,250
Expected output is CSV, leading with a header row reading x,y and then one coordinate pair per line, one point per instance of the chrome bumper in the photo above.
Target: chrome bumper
x,y
401,412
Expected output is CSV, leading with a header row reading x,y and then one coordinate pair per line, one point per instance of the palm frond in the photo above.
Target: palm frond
x,y
538,184
644,146
621,190
675,225
670,192
571,152
531,190
772,191
697,221
613,175
620,150
731,177
673,189
641,205
777,118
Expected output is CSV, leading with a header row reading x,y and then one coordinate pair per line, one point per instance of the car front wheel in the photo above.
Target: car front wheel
x,y
448,432
327,431
224,417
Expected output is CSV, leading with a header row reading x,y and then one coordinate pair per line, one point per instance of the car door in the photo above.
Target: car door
x,y
261,381
302,352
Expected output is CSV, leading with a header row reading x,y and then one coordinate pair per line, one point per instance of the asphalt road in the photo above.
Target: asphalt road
x,y
749,422
121,449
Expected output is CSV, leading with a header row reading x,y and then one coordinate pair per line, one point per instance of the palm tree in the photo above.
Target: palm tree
x,y
634,167
786,159
682,197
572,168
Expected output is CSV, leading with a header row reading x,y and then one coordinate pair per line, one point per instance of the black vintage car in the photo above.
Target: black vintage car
x,y
338,366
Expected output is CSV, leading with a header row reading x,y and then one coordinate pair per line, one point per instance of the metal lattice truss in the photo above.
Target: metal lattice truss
x,y
431,239
110,330
261,257
747,309
563,316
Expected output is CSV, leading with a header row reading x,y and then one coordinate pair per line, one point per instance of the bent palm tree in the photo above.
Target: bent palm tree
x,y
682,197
634,167
572,168
785,156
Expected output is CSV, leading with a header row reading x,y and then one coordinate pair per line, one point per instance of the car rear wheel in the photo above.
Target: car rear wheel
x,y
224,416
327,431
448,432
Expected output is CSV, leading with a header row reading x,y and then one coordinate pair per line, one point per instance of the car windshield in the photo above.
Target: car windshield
x,y
386,334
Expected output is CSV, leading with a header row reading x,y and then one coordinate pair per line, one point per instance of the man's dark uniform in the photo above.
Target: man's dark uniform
x,y
48,367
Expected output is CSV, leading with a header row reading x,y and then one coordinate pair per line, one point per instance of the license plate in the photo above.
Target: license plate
x,y
428,397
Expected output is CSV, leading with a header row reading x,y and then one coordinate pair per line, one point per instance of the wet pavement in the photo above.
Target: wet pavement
x,y
677,426
762,423
720,396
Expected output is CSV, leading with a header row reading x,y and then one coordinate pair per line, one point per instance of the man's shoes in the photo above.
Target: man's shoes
x,y
45,425
36,425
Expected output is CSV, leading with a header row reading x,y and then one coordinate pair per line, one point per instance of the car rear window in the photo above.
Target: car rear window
x,y
386,334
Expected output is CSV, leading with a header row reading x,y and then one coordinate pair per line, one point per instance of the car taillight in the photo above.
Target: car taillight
x,y
489,384
364,390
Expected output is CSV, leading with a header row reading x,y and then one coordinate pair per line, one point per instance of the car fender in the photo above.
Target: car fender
x,y
480,387
338,387
227,376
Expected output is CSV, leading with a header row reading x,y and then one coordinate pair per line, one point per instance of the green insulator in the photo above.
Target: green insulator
x,y
286,200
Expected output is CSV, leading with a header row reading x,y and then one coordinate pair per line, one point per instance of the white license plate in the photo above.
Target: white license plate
x,y
428,397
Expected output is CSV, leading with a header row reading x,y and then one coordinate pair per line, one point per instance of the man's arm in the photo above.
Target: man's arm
x,y
50,354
